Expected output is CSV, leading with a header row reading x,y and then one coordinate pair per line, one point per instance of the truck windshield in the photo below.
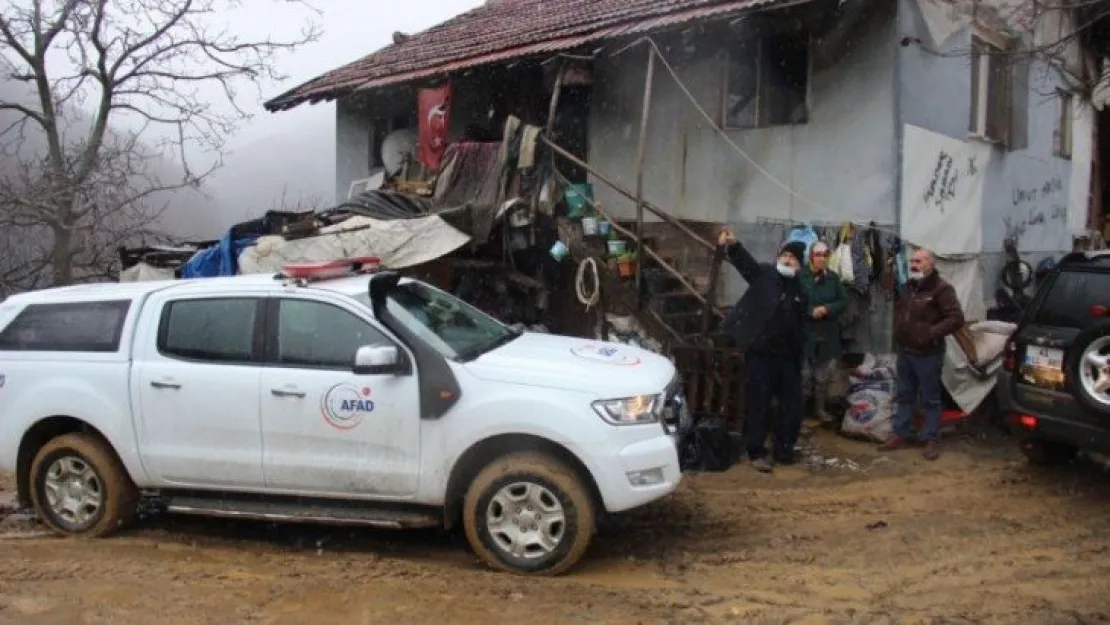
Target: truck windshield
x,y
449,325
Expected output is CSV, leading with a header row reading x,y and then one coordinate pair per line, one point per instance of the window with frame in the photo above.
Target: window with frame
x,y
68,327
767,82
1063,136
212,329
991,89
320,335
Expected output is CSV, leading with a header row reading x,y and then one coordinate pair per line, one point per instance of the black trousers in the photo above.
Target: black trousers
x,y
773,377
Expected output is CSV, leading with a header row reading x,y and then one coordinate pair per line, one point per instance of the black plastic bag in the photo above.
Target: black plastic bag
x,y
709,446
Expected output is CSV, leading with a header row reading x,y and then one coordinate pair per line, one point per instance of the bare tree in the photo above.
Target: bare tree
x,y
138,65
1071,37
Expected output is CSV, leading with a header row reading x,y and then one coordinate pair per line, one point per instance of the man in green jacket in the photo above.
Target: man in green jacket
x,y
823,346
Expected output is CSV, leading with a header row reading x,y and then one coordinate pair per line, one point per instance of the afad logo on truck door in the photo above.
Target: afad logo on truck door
x,y
345,406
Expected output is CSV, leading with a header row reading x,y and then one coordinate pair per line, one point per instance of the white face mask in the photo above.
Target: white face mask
x,y
785,270
917,276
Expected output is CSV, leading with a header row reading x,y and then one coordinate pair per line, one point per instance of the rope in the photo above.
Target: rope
x,y
591,300
736,148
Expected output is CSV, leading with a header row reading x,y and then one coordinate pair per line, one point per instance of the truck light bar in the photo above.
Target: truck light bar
x,y
328,269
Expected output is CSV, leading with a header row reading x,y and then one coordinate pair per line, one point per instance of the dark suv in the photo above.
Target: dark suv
x,y
1054,388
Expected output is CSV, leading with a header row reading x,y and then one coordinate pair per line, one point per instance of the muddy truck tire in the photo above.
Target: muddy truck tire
x,y
529,513
80,488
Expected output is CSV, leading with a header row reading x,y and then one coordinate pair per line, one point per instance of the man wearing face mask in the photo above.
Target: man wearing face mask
x,y
926,313
768,323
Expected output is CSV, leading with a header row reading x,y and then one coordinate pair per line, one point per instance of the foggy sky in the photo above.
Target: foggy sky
x,y
289,154
352,29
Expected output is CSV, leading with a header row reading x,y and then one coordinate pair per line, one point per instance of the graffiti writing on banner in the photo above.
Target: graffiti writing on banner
x,y
944,185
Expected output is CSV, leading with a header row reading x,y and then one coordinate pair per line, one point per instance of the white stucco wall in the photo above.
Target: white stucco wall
x,y
842,159
353,132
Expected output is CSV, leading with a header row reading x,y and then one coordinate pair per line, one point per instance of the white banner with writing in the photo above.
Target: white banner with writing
x,y
942,191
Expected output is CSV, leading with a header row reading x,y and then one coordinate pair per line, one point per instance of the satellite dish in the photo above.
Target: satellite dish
x,y
398,148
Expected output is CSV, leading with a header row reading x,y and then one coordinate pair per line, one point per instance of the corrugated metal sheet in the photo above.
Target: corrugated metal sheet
x,y
504,30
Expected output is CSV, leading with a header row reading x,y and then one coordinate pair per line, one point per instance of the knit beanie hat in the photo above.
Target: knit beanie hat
x,y
797,249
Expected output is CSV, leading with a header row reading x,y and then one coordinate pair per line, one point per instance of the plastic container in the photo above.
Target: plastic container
x,y
604,228
559,251
617,247
589,226
576,196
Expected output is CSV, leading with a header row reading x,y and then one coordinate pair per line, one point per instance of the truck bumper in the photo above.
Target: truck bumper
x,y
644,472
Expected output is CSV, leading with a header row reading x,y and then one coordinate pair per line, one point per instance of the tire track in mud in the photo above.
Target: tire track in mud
x,y
977,537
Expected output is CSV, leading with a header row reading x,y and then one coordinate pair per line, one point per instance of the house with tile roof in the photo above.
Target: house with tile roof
x,y
927,118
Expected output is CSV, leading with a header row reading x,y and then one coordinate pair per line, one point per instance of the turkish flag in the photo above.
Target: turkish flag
x,y
434,106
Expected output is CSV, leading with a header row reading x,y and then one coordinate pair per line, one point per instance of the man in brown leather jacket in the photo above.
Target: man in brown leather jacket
x,y
926,313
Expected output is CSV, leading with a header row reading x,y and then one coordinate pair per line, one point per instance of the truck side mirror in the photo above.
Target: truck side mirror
x,y
378,360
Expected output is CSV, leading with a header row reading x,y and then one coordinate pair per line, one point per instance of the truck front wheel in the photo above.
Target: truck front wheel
x,y
80,488
529,513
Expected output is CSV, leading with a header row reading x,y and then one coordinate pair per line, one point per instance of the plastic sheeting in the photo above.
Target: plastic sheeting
x,y
143,272
970,386
218,260
1082,151
398,243
967,277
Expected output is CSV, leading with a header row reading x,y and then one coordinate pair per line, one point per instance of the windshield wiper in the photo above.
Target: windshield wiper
x,y
473,353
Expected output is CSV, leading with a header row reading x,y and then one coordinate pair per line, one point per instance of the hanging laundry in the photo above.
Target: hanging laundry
x,y
861,278
841,261
802,233
875,251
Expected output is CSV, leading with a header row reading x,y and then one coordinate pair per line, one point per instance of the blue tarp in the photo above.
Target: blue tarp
x,y
221,259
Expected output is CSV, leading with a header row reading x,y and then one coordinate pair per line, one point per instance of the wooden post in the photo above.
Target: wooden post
x,y
711,296
556,93
644,115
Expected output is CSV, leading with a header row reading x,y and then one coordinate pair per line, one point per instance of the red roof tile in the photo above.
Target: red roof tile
x,y
502,30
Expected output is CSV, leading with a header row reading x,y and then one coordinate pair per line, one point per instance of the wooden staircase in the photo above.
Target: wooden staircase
x,y
678,309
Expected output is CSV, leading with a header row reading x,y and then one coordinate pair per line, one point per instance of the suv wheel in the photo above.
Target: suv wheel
x,y
80,488
1089,368
529,513
1047,453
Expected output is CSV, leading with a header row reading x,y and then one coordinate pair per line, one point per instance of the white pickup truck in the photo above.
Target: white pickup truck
x,y
363,399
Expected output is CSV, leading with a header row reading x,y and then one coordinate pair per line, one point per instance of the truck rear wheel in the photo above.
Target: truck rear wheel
x,y
80,488
529,513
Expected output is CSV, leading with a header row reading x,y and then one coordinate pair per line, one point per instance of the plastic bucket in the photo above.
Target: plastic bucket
x,y
559,251
616,247
589,226
604,228
576,196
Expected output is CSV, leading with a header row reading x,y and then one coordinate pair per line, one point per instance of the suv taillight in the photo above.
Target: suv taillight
x,y
1100,311
1009,363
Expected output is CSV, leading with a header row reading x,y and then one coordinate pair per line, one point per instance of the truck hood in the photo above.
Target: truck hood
x,y
605,370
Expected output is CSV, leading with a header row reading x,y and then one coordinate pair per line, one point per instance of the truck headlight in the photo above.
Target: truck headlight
x,y
636,410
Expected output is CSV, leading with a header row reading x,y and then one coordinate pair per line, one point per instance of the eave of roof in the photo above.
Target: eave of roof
x,y
504,31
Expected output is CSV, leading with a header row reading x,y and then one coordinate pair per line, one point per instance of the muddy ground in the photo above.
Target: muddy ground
x,y
977,537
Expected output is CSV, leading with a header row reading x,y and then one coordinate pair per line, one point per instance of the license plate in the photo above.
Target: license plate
x,y
1044,358
1043,367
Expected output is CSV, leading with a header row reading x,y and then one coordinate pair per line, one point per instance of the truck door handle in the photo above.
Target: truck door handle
x,y
282,393
166,385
